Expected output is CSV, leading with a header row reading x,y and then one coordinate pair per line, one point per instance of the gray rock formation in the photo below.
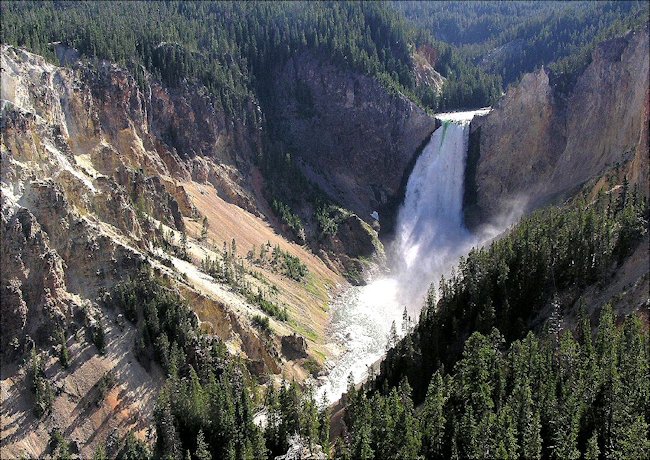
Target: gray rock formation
x,y
299,449
355,138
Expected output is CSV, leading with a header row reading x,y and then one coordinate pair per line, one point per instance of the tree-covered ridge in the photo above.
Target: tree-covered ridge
x,y
552,255
207,405
230,46
512,38
557,395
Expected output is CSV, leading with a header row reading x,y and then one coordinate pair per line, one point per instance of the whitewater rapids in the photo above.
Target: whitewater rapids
x,y
430,237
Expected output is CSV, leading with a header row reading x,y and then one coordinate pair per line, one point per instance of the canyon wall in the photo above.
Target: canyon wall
x,y
104,174
354,138
537,146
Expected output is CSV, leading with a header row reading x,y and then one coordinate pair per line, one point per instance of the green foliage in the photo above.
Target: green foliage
x,y
383,426
168,328
467,85
100,452
292,411
40,385
554,250
206,392
64,353
312,366
328,218
182,249
293,267
433,417
205,225
262,322
290,219
134,449
211,416
166,241
511,38
537,398
267,306
202,448
553,396
105,384
226,46
98,335
60,446
282,261
230,270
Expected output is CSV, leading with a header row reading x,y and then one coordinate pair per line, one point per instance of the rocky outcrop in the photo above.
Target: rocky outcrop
x,y
424,59
109,120
607,113
103,173
86,166
353,136
301,449
535,146
34,297
93,168
357,238
294,346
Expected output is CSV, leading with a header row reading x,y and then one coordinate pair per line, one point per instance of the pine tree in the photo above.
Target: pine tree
x,y
433,417
630,386
309,419
64,353
570,410
362,435
202,451
528,417
273,420
204,228
168,444
324,426
100,452
183,249
408,433
507,434
393,338
593,451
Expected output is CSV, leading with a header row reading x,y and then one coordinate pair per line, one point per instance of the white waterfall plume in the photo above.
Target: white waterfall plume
x,y
430,237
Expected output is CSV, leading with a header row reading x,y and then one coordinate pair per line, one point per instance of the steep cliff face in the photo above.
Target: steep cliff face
x,y
96,177
354,138
607,116
535,147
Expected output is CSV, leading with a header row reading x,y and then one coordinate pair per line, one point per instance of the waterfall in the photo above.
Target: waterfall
x,y
430,236
430,231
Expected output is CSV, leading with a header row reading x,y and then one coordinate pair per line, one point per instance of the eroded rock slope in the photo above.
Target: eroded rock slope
x,y
104,175
538,146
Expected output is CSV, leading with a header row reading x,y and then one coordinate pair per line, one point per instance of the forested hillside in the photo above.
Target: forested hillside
x,y
512,38
230,47
545,263
470,380
558,394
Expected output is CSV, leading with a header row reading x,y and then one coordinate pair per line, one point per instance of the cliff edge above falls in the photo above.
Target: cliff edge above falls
x,y
535,146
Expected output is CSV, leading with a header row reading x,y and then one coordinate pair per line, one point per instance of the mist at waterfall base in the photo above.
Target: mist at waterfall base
x,y
430,238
